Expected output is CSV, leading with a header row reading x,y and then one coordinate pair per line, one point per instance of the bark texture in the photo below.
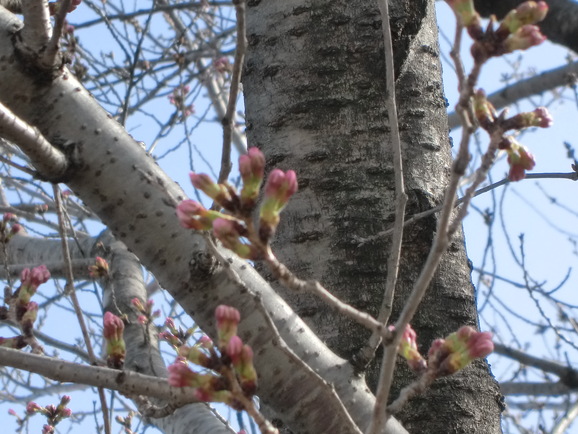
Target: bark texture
x,y
315,101
299,377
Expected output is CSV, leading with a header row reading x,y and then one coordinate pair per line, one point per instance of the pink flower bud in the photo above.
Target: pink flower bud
x,y
99,269
458,350
543,118
35,277
32,408
281,185
252,168
525,37
520,160
227,321
229,232
408,350
205,341
218,192
234,348
113,326
279,188
193,215
115,346
529,12
180,375
483,109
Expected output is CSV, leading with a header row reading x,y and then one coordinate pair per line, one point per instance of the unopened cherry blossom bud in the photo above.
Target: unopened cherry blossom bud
x,y
180,375
408,350
39,275
31,280
193,215
234,348
32,408
99,269
196,356
483,109
113,335
529,12
539,117
527,36
206,342
229,232
252,169
279,188
467,16
245,369
220,193
447,356
520,160
228,319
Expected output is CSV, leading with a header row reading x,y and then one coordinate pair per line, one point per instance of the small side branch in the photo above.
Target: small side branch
x,y
126,382
49,161
229,118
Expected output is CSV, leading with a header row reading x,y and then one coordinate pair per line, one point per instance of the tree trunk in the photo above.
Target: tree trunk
x,y
315,101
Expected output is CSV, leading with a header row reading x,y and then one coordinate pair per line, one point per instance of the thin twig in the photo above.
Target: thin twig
x,y
290,281
228,120
442,238
127,382
70,291
379,417
54,43
573,176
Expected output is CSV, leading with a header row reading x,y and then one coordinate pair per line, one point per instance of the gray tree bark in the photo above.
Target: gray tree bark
x,y
315,101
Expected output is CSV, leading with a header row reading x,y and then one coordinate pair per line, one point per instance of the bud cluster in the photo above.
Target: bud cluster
x,y
519,157
54,414
99,269
228,366
9,227
445,356
234,227
145,311
517,31
20,309
178,99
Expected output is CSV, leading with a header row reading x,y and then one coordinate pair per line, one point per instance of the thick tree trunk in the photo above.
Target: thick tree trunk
x,y
315,101
313,389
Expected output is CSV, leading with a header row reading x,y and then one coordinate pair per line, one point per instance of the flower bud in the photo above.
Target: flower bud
x,y
228,319
113,335
252,168
279,188
193,215
529,12
218,192
99,269
229,232
525,37
458,350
